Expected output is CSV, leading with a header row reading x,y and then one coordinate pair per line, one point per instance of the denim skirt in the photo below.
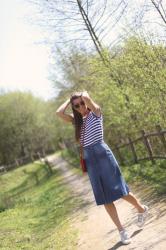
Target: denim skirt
x,y
104,173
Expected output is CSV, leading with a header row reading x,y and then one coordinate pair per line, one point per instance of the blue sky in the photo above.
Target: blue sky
x,y
23,64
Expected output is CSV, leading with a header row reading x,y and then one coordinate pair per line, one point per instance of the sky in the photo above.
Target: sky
x,y
24,61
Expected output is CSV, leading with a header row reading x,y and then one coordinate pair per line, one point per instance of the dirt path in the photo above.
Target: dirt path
x,y
96,229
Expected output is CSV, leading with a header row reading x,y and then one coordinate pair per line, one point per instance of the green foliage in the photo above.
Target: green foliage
x,y
27,126
130,87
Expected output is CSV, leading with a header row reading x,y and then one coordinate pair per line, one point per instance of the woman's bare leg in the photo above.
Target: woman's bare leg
x,y
111,209
134,201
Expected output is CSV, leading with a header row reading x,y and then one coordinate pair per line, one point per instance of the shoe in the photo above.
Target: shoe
x,y
142,217
125,239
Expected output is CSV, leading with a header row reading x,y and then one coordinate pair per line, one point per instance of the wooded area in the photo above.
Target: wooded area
x,y
115,50
126,77
27,128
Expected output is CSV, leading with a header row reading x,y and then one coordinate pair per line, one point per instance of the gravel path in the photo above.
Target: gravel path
x,y
96,229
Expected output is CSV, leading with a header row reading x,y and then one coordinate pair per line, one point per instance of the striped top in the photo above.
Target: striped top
x,y
93,129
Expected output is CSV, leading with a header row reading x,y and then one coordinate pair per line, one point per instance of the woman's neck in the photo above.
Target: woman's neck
x,y
85,114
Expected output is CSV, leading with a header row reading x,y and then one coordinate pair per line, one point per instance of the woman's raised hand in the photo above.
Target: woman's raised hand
x,y
85,95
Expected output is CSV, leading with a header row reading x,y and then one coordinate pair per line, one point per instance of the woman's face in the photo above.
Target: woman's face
x,y
79,105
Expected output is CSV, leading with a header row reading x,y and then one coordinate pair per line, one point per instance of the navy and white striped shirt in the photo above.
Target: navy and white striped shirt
x,y
93,129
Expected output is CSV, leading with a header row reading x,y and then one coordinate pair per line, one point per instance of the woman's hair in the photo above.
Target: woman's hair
x,y
78,121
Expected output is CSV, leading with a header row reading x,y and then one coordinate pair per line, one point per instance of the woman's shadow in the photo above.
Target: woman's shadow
x,y
119,244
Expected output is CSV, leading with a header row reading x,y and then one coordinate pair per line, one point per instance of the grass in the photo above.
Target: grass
x,y
73,161
36,206
35,210
146,172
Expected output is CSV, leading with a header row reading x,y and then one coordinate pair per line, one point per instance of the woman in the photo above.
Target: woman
x,y
103,170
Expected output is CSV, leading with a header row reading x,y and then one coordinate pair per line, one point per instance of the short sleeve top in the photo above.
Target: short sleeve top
x,y
93,129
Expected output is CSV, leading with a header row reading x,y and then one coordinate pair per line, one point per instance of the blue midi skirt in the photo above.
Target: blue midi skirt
x,y
104,173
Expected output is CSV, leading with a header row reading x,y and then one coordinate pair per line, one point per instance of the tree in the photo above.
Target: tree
x,y
27,126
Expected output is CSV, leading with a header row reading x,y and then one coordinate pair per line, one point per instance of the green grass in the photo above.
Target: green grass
x,y
35,210
73,161
146,172
151,174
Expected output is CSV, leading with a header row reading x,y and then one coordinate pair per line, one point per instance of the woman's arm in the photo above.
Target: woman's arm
x,y
61,112
90,103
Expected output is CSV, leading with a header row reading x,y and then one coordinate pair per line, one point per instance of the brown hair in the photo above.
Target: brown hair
x,y
78,121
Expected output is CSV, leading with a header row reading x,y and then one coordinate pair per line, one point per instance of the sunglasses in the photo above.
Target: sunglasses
x,y
77,106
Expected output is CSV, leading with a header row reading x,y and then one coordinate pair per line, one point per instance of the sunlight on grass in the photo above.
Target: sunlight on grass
x,y
73,161
38,217
154,175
